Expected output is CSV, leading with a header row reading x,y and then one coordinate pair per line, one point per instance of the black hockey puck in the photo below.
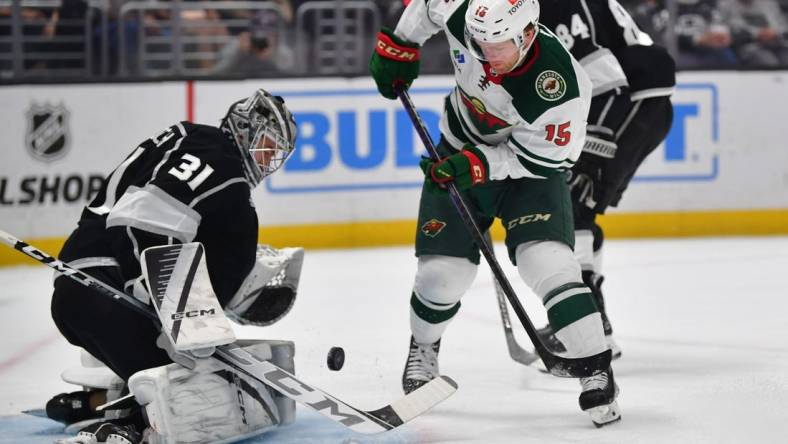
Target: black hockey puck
x,y
336,358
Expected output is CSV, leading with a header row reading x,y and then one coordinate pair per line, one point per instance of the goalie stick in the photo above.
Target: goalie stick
x,y
557,365
517,353
383,419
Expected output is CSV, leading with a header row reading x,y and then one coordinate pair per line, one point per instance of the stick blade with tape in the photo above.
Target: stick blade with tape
x,y
178,282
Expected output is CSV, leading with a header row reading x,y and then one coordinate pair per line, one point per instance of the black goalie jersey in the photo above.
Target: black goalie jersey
x,y
184,185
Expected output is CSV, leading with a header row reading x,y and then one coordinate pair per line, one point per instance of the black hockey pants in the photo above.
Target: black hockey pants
x,y
118,336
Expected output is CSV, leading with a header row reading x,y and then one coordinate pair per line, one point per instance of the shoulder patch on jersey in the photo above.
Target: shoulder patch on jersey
x,y
550,85
551,81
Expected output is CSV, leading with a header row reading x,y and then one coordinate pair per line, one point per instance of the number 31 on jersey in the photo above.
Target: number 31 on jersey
x,y
191,164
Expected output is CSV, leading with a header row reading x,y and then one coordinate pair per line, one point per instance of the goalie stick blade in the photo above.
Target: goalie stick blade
x,y
361,421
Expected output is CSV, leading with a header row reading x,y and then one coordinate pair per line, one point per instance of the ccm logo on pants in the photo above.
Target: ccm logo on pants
x,y
528,219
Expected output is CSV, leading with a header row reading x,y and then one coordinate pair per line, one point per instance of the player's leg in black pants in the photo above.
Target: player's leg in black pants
x,y
644,129
638,137
118,336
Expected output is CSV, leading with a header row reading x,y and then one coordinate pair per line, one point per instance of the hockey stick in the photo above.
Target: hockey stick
x,y
557,365
363,421
517,353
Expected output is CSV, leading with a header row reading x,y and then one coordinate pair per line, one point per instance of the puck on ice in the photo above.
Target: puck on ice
x,y
335,358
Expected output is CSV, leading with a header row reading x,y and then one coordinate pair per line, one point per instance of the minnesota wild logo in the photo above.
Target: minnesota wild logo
x,y
432,227
485,122
550,86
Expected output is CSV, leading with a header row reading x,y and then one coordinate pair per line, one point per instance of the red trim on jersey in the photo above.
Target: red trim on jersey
x,y
529,61
530,58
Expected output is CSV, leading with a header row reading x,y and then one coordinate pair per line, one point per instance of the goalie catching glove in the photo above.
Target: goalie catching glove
x,y
269,291
466,168
394,60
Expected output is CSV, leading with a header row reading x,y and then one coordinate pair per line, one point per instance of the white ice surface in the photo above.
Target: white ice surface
x,y
703,324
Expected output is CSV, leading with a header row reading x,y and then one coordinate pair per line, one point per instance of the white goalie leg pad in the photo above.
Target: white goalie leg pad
x,y
212,403
440,283
549,265
92,374
180,287
268,292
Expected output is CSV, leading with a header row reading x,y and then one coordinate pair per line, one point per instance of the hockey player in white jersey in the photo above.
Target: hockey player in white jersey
x,y
189,184
512,126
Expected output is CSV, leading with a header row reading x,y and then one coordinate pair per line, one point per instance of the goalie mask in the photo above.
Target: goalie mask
x,y
264,130
494,30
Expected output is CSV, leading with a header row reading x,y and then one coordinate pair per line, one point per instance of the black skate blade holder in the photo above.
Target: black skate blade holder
x,y
557,365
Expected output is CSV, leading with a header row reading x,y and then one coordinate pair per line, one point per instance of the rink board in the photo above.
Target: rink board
x,y
354,179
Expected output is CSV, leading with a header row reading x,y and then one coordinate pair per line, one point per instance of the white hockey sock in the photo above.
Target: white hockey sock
x,y
584,337
426,332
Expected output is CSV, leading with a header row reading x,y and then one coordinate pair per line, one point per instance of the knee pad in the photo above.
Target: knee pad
x,y
212,402
546,265
443,279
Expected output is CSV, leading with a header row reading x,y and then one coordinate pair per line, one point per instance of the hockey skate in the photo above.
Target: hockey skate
x,y
105,432
69,408
421,366
598,398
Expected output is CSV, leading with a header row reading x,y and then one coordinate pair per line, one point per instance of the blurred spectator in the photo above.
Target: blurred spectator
x,y
704,40
66,29
759,31
6,66
203,31
255,52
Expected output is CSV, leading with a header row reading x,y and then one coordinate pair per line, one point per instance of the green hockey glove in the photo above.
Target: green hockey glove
x,y
466,168
394,61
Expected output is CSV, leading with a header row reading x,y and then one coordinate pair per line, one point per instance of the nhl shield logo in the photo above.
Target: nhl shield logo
x,y
432,227
47,135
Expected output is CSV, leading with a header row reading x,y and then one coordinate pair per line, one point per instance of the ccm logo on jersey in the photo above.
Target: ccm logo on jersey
x,y
528,219
192,314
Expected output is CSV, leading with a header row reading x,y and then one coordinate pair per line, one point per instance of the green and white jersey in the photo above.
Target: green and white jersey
x,y
528,123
